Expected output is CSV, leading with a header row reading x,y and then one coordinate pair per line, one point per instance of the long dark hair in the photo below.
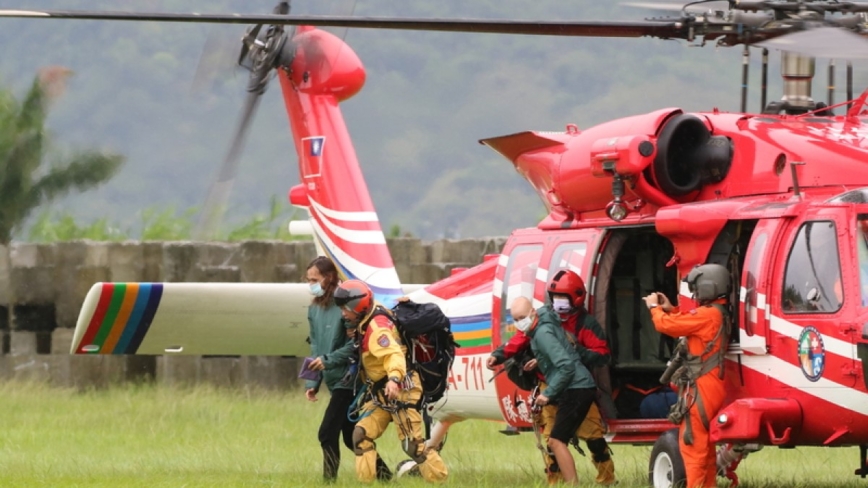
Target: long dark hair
x,y
329,272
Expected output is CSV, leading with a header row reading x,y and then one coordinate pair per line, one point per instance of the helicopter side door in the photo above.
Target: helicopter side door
x,y
809,307
527,262
755,284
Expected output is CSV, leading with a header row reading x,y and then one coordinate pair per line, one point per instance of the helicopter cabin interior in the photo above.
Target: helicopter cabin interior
x,y
633,263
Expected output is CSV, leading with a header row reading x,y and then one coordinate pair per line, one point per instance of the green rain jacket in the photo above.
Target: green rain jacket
x,y
329,341
556,357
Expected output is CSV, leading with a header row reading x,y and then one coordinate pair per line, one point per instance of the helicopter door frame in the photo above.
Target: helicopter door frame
x,y
755,286
523,269
515,276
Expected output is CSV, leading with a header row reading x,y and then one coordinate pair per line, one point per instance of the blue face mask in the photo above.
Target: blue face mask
x,y
316,289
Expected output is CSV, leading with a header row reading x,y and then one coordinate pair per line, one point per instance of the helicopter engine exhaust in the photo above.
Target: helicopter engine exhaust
x,y
688,156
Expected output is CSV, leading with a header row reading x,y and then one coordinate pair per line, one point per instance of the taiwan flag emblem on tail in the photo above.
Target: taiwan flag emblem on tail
x,y
312,155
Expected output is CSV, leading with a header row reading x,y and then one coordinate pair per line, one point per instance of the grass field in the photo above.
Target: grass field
x,y
151,436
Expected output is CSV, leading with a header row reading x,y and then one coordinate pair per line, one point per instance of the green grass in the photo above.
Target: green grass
x,y
150,436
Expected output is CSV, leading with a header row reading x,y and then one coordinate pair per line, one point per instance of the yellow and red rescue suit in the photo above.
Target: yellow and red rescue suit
x,y
383,357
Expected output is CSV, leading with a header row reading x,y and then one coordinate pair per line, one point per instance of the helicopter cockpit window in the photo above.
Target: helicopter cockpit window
x,y
852,196
812,282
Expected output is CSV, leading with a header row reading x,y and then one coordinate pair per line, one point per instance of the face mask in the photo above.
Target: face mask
x,y
523,324
316,290
562,305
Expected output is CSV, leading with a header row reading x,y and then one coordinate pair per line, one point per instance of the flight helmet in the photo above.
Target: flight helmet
x,y
567,282
355,296
708,282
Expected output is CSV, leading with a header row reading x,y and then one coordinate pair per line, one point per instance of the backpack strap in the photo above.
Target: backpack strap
x,y
723,333
378,310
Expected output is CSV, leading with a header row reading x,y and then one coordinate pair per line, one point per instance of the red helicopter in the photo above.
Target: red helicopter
x,y
778,197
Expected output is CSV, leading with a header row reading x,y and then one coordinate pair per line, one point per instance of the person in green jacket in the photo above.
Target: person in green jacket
x,y
569,384
335,355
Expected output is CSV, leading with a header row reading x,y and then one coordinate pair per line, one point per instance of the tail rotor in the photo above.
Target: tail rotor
x,y
263,48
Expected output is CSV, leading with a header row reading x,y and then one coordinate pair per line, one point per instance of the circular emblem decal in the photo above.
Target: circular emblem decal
x,y
812,354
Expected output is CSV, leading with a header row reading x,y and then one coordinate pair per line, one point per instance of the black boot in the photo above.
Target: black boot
x,y
330,464
383,471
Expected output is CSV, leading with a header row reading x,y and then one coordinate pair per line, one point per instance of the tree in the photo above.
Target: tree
x,y
26,179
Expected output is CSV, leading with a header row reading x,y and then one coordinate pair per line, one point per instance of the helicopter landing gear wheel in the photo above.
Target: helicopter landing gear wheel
x,y
666,468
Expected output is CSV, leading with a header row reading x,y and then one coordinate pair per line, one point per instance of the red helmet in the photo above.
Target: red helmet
x,y
355,296
566,282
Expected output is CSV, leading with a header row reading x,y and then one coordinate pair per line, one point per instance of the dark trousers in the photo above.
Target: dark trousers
x,y
334,425
573,406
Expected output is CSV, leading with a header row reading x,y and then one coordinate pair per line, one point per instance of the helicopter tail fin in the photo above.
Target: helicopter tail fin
x,y
324,72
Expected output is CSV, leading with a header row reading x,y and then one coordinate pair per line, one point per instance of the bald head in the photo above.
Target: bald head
x,y
521,308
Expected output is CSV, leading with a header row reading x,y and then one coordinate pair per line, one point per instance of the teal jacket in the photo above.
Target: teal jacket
x,y
556,357
329,341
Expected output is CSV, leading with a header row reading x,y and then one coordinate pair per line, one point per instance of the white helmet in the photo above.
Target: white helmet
x,y
708,282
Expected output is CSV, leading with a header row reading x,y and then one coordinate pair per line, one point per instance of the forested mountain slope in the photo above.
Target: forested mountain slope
x,y
428,99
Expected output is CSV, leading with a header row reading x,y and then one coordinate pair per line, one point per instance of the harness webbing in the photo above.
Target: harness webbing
x,y
694,367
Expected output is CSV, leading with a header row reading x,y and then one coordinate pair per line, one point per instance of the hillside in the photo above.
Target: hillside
x,y
429,98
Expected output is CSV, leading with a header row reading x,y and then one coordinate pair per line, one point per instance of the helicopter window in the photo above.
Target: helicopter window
x,y
519,280
862,253
812,282
853,196
570,256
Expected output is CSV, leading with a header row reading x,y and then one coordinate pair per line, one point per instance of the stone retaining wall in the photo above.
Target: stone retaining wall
x,y
45,284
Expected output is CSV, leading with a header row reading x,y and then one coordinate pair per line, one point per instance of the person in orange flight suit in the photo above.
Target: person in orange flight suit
x,y
394,394
702,392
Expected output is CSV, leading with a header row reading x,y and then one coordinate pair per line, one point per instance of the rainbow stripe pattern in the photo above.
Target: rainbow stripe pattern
x,y
472,330
121,318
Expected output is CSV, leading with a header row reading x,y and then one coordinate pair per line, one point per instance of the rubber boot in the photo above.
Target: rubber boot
x,y
605,472
330,464
383,471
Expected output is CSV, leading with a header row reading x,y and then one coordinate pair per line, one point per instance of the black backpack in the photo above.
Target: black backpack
x,y
514,368
427,333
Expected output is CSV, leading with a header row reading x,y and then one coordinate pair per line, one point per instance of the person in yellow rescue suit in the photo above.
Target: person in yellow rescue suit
x,y
567,292
393,394
699,381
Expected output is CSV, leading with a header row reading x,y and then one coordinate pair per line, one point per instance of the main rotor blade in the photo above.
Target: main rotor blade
x,y
542,27
821,42
344,8
217,59
670,7
218,195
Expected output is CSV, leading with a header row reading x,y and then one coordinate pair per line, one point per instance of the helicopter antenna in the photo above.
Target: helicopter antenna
x,y
765,80
796,190
831,89
745,64
849,84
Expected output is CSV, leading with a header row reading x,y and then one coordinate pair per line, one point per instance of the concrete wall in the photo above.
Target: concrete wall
x,y
42,287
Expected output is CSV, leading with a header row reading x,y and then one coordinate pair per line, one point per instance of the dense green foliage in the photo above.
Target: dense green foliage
x,y
27,180
203,437
429,98
159,225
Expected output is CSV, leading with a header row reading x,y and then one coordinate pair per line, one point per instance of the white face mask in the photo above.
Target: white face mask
x,y
561,305
524,324
316,289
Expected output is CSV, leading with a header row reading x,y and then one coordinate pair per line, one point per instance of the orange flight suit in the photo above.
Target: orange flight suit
x,y
700,326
